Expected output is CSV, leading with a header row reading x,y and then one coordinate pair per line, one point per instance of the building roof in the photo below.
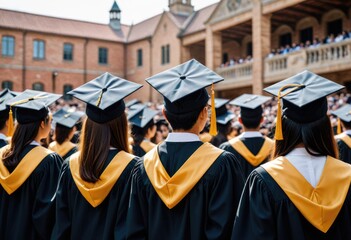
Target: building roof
x,y
115,7
144,29
197,23
60,26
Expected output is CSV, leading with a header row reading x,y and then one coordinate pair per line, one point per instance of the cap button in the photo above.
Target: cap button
x,y
104,89
182,77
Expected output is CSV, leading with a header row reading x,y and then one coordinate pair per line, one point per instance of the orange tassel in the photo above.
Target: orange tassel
x,y
213,127
10,127
338,129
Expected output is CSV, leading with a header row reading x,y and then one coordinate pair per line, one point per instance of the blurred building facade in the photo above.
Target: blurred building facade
x,y
251,43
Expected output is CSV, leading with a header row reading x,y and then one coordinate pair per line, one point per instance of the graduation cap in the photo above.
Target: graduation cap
x,y
183,88
67,117
223,116
104,96
132,102
30,106
304,98
343,114
5,95
142,116
250,105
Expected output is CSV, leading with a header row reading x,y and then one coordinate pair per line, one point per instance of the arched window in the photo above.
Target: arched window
x,y
38,86
66,89
7,84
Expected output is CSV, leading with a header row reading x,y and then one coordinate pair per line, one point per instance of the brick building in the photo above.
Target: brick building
x,y
56,55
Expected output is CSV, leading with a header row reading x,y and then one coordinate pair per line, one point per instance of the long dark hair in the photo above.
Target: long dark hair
x,y
138,133
24,134
95,142
62,133
317,137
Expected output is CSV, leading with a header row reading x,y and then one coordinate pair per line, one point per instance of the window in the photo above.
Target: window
x,y
38,49
8,46
7,84
66,89
335,27
306,35
103,55
38,86
140,57
165,54
249,49
225,58
285,39
67,52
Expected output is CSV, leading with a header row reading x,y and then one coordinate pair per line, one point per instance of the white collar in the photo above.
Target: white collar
x,y
3,136
251,134
348,132
182,137
34,143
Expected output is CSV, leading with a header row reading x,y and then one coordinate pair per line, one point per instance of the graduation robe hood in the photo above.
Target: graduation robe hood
x,y
61,149
95,193
322,204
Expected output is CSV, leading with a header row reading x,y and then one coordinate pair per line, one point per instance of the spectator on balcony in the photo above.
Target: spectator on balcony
x,y
295,47
345,35
272,53
339,38
330,39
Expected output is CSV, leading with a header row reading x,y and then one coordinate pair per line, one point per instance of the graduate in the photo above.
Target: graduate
x,y
28,172
304,193
143,128
184,188
343,139
5,95
93,192
65,121
224,124
251,148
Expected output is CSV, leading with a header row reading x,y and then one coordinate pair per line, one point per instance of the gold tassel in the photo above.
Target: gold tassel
x,y
338,129
278,127
10,127
213,127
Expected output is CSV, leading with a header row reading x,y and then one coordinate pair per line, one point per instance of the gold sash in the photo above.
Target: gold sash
x,y
95,193
62,149
254,160
12,181
320,205
173,189
147,145
345,138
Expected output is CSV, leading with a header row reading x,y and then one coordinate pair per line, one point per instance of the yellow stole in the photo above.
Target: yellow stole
x,y
254,160
12,181
62,149
147,145
95,193
320,205
173,189
345,138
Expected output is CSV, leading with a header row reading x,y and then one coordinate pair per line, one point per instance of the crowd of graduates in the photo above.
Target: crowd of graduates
x,y
195,167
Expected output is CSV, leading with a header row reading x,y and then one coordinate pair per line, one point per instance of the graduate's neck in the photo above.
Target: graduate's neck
x,y
251,129
193,131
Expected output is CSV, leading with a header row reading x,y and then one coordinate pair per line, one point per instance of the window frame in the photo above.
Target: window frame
x,y
7,46
71,52
140,57
7,84
39,57
101,57
42,88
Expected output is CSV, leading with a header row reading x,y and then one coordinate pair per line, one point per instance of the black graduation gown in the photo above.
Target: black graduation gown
x,y
254,145
77,219
266,212
218,139
3,143
29,212
138,151
344,151
206,212
70,152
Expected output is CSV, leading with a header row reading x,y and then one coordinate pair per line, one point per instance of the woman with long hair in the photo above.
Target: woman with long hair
x,y
93,192
65,127
304,193
143,128
28,172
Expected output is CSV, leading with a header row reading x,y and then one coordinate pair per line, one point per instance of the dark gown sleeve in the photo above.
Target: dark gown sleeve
x,y
137,211
254,218
44,204
63,219
224,198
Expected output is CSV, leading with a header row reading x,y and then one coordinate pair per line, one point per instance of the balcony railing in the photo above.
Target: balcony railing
x,y
238,72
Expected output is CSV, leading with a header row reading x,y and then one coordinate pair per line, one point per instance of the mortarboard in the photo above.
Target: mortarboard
x,y
343,114
303,98
104,96
183,88
30,106
223,116
132,102
5,96
142,116
67,117
250,105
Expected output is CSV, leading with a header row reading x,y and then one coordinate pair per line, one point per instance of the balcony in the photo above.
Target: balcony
x,y
239,75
